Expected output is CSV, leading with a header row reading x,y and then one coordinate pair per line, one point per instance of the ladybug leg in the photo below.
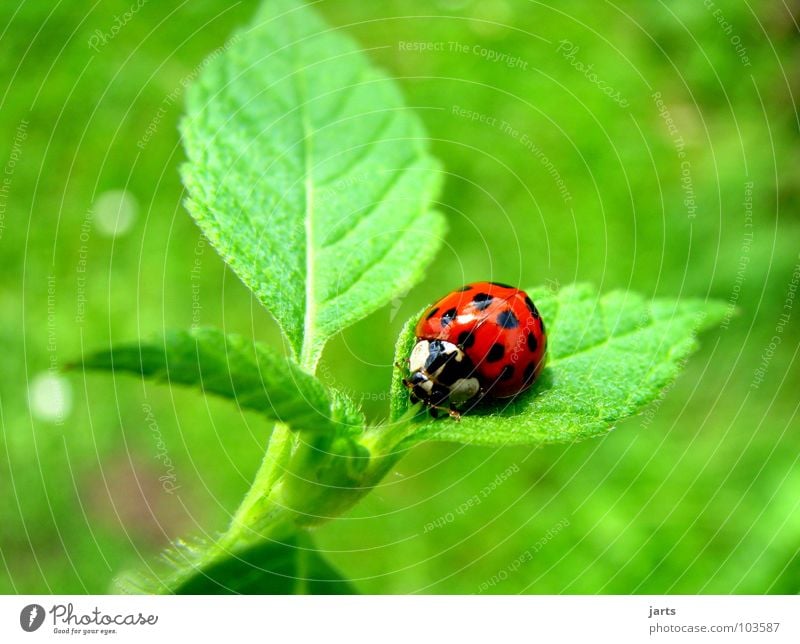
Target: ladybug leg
x,y
454,413
451,411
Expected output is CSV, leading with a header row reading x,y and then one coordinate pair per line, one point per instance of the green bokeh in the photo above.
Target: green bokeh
x,y
701,494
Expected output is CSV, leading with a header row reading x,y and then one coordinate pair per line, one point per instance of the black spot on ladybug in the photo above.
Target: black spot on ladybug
x,y
432,313
465,339
532,343
507,373
529,372
439,395
468,287
495,353
482,300
534,311
507,319
448,316
501,285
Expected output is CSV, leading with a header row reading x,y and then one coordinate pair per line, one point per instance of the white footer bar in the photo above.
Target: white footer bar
x,y
401,619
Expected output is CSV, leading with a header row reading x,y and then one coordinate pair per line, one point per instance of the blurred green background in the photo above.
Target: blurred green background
x,y
593,177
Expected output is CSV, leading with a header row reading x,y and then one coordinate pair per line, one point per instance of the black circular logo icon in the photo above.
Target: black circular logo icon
x,y
31,617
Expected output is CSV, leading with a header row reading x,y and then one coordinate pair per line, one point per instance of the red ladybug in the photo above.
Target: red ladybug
x,y
485,340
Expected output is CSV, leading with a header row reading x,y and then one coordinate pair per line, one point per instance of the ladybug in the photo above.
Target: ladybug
x,y
485,340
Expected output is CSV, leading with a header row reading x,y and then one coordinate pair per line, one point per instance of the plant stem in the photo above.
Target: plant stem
x,y
264,512
270,509
383,440
261,511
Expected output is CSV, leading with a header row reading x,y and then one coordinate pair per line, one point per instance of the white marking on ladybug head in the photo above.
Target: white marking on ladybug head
x,y
419,356
436,350
433,363
448,347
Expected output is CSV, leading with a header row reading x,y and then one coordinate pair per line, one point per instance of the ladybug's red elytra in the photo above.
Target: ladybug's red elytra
x,y
485,340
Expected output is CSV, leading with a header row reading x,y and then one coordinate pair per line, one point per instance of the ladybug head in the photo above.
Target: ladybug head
x,y
441,374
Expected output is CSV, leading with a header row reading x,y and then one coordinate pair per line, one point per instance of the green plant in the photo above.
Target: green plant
x,y
314,183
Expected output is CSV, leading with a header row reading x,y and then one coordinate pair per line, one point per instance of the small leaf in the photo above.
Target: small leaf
x,y
608,357
290,565
251,374
308,175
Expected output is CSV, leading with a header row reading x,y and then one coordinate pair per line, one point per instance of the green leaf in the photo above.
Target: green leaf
x,y
252,375
290,567
309,175
608,357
